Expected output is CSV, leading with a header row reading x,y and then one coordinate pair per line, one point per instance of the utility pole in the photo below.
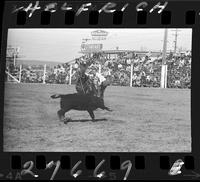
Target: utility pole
x,y
163,80
164,52
175,40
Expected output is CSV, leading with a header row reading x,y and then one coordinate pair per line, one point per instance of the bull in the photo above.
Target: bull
x,y
81,102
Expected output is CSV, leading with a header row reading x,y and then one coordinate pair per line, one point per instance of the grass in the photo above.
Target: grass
x,y
143,120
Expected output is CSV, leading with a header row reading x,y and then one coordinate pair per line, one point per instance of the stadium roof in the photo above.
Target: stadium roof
x,y
106,51
120,51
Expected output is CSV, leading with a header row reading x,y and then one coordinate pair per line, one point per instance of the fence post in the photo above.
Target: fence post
x,y
164,76
14,59
20,73
44,74
70,75
131,77
100,68
164,54
8,78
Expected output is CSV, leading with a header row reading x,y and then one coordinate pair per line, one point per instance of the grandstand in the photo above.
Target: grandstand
x,y
144,66
127,67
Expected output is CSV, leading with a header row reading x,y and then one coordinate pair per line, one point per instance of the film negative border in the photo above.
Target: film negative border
x,y
181,14
93,14
111,167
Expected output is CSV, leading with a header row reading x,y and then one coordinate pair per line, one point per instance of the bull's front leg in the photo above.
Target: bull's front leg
x,y
61,114
91,114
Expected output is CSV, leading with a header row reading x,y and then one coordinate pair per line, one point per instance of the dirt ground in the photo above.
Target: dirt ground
x,y
143,120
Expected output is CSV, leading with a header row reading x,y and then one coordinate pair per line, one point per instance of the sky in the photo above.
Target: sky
x,y
63,45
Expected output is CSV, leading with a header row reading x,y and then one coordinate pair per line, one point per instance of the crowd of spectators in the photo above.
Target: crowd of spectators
x,y
179,71
146,70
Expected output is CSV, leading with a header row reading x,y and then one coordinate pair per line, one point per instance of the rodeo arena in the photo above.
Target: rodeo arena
x,y
147,101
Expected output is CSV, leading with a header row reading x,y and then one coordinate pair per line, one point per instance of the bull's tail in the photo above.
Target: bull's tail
x,y
55,96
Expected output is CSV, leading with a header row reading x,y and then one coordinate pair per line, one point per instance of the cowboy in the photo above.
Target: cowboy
x,y
99,79
84,84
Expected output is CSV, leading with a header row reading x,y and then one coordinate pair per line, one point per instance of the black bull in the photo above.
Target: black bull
x,y
81,102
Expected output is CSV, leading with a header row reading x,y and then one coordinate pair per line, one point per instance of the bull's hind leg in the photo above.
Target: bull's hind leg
x,y
61,114
91,114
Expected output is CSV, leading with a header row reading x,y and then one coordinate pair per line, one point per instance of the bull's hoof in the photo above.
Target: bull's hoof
x,y
66,120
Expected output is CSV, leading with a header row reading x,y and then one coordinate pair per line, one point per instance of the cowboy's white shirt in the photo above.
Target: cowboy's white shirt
x,y
100,77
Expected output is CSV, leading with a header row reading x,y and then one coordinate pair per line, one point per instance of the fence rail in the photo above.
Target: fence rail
x,y
123,76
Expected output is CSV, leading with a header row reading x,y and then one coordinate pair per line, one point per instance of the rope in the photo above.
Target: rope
x,y
82,86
